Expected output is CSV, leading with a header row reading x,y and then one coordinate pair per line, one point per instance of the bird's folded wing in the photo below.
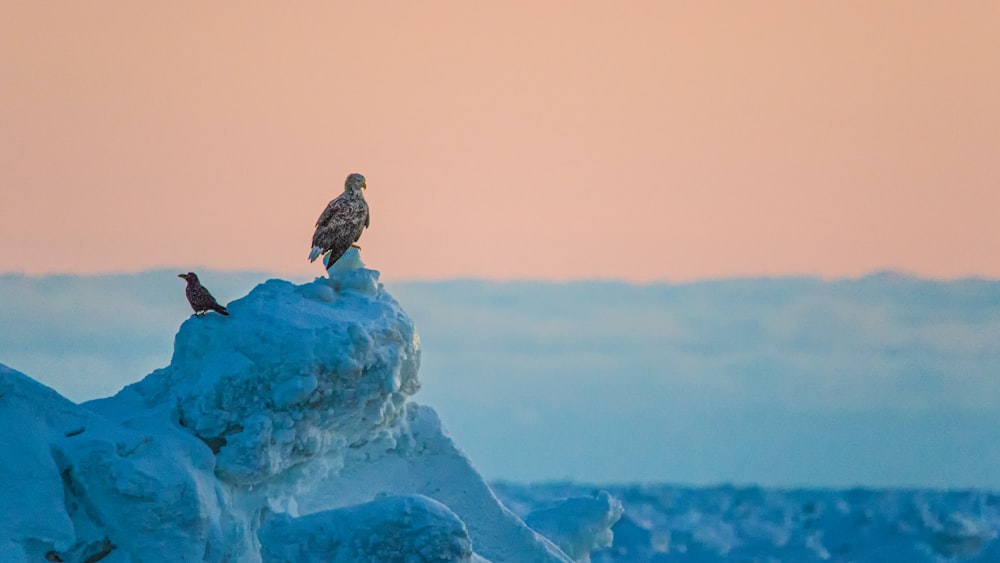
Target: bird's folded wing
x,y
331,209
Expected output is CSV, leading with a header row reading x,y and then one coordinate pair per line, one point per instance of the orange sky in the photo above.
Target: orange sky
x,y
559,140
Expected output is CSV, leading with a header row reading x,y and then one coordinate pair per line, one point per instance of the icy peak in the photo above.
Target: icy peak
x,y
295,372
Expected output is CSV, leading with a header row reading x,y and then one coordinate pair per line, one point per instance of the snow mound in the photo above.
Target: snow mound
x,y
422,528
280,433
578,525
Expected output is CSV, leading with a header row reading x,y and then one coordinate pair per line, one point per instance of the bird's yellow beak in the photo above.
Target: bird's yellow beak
x,y
364,186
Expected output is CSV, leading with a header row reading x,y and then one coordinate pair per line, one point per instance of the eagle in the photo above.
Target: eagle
x,y
341,223
199,297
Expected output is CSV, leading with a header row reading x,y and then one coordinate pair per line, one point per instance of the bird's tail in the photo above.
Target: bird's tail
x,y
221,310
314,253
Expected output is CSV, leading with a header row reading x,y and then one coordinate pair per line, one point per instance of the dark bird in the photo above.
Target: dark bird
x,y
341,223
199,297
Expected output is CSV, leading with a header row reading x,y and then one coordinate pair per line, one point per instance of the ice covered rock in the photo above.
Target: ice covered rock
x,y
77,486
33,515
280,433
294,372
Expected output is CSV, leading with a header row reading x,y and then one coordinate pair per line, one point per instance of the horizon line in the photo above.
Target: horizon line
x,y
888,273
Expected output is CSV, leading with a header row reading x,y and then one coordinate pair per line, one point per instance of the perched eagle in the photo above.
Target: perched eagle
x,y
342,221
199,297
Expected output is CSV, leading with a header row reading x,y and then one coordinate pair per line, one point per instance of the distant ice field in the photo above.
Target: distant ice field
x,y
721,524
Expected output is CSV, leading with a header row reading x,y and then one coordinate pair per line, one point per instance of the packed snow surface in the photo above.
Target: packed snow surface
x,y
281,433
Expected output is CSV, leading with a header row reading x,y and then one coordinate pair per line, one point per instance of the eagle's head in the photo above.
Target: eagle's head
x,y
190,277
354,184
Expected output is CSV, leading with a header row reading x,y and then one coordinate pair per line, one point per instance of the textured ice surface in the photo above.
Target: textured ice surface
x,y
668,523
578,525
406,528
283,432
